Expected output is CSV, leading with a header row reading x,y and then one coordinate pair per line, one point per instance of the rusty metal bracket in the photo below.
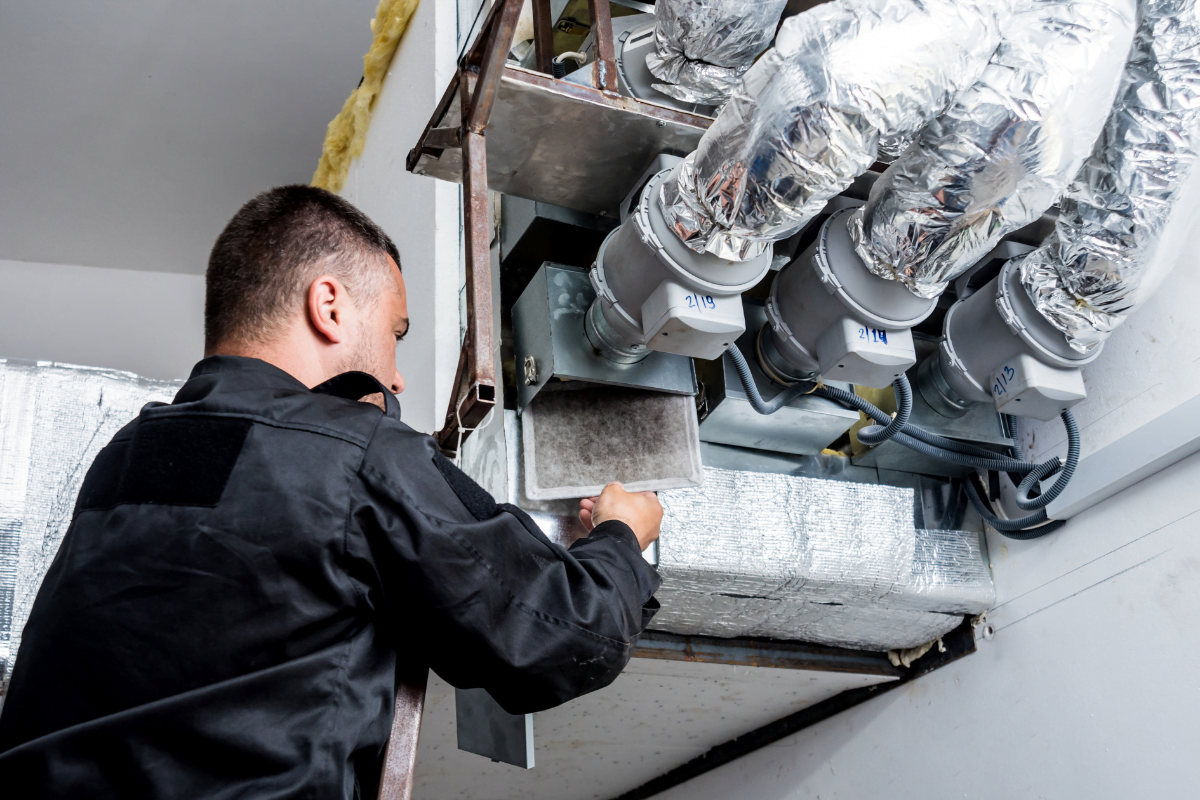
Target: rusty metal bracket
x,y
400,754
604,68
474,391
543,37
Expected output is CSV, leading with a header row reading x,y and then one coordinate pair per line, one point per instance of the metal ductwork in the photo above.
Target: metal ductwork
x,y
1005,150
1090,273
828,316
703,47
809,115
806,121
655,293
1022,340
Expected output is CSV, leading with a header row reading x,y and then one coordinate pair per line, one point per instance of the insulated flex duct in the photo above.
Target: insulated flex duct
x,y
54,419
703,47
1085,277
809,115
1005,150
755,554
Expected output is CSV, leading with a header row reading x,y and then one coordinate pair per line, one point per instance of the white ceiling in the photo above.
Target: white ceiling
x,y
131,131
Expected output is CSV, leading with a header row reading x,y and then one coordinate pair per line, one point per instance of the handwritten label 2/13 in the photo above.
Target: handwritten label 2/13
x,y
1003,379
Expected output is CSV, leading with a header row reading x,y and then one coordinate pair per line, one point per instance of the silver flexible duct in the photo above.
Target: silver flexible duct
x,y
1085,277
1007,148
808,116
705,46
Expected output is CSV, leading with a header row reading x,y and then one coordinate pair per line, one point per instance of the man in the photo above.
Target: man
x,y
249,567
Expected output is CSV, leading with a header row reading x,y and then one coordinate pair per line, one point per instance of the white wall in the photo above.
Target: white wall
x,y
419,213
1088,688
151,323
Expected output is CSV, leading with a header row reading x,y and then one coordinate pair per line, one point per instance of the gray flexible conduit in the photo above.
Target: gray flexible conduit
x,y
927,443
751,389
1046,469
1019,528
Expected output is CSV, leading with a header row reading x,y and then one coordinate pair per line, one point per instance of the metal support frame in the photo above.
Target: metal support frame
x,y
477,83
604,68
543,37
958,643
478,80
400,754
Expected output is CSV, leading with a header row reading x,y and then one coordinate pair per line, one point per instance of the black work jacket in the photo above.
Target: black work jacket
x,y
247,569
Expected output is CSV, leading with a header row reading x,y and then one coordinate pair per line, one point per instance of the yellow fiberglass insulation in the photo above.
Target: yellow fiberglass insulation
x,y
347,132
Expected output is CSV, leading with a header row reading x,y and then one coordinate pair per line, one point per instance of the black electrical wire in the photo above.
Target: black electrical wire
x,y
897,428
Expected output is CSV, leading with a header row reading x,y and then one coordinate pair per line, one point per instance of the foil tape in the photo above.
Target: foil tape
x,y
54,419
1005,150
703,47
1085,277
778,556
808,117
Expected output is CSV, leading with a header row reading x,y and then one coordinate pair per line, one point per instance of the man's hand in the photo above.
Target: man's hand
x,y
641,511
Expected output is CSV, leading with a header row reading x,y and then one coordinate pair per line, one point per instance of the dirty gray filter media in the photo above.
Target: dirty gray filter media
x,y
582,439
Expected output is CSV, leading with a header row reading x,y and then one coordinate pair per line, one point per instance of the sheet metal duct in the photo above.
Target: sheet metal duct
x,y
765,554
703,47
809,115
1005,150
54,418
757,554
1085,278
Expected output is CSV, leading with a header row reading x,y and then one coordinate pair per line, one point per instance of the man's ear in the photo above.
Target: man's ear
x,y
327,307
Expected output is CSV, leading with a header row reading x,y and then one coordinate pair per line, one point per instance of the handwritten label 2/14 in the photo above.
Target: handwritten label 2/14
x,y
873,335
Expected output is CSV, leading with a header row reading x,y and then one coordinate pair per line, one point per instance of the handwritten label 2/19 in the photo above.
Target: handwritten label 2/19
x,y
702,302
873,335
1003,378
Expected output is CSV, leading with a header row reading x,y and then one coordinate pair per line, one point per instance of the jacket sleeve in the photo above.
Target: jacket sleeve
x,y
482,595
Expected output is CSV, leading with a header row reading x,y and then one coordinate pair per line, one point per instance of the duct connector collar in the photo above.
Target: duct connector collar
x,y
828,315
996,347
655,293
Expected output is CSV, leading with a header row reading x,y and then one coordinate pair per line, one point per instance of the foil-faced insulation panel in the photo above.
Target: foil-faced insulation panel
x,y
777,556
54,419
780,556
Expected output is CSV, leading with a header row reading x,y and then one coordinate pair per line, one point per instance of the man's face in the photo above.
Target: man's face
x,y
380,329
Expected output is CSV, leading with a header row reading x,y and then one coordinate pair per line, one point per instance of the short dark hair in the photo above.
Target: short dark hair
x,y
274,247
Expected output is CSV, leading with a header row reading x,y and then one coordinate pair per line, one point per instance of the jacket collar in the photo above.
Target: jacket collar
x,y
237,373
259,371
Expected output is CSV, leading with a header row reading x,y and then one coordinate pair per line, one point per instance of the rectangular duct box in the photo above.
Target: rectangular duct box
x,y
549,342
578,438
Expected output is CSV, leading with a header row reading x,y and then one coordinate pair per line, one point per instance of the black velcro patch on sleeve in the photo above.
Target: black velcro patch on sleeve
x,y
103,478
183,461
477,500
